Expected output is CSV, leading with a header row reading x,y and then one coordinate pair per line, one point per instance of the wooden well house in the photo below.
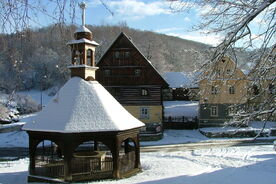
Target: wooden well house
x,y
83,133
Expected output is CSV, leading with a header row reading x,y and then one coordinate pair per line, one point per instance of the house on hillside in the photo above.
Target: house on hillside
x,y
221,88
182,86
126,73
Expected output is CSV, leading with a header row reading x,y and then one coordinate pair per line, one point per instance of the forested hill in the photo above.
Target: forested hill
x,y
38,55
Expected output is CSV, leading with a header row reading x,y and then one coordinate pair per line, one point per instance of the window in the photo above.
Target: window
x,y
127,54
77,56
144,92
231,90
144,113
137,72
271,89
107,72
255,90
228,71
218,72
89,56
214,90
214,110
117,54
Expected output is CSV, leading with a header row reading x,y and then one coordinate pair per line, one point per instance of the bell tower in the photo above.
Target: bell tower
x,y
83,51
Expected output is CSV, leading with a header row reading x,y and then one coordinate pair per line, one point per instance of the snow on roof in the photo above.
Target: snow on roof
x,y
82,29
83,106
180,108
82,66
83,40
180,79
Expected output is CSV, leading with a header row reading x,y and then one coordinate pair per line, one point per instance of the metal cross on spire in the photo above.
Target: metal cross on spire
x,y
83,6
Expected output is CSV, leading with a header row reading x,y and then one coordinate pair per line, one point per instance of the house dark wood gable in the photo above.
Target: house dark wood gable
x,y
128,75
124,64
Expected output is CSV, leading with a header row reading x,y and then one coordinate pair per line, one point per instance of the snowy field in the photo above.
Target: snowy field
x,y
21,139
238,165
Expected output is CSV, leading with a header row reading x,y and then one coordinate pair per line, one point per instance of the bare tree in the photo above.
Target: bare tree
x,y
235,21
18,15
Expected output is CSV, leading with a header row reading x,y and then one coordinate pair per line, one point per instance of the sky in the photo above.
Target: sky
x,y
158,16
150,15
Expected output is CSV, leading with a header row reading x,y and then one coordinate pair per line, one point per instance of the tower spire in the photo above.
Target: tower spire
x,y
82,5
83,51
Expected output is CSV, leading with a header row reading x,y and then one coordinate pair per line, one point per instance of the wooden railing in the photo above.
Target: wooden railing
x,y
48,168
81,168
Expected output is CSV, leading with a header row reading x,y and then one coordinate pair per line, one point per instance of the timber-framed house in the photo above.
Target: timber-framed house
x,y
131,78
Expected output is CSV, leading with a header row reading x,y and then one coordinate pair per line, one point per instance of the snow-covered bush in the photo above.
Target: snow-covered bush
x,y
25,104
4,113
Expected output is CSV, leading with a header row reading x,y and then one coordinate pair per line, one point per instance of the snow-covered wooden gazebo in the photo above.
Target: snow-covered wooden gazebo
x,y
88,129
90,135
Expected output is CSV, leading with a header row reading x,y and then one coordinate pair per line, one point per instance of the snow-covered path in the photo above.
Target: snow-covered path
x,y
227,165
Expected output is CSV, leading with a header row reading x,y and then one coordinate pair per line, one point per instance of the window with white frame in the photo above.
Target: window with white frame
x,y
144,113
214,110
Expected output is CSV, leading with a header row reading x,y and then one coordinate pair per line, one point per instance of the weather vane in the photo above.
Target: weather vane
x,y
82,5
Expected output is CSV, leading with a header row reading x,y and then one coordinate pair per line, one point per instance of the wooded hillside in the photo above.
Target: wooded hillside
x,y
39,58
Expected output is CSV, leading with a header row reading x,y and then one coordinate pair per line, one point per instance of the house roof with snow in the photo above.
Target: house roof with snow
x,y
82,29
82,40
83,106
180,80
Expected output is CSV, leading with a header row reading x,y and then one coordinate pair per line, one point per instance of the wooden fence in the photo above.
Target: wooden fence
x,y
180,122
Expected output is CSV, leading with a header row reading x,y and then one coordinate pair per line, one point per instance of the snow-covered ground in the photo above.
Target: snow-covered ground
x,y
239,165
20,138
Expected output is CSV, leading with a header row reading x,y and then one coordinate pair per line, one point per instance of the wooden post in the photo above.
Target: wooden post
x,y
96,146
137,152
115,155
68,154
32,147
